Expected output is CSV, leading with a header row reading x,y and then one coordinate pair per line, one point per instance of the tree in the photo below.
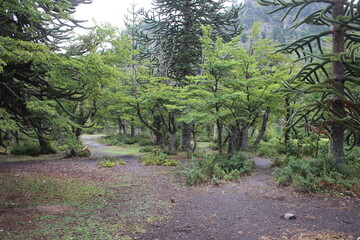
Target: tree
x,y
174,33
239,84
30,33
332,76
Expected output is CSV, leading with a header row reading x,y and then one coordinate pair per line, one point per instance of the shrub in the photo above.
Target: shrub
x,y
147,149
121,139
27,148
69,143
157,157
316,174
145,142
111,162
214,167
267,149
353,155
213,146
204,139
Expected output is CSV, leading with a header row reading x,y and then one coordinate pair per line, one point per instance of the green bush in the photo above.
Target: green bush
x,y
148,149
353,155
145,141
214,168
69,143
213,146
316,174
157,157
268,149
26,148
121,139
111,162
31,149
204,139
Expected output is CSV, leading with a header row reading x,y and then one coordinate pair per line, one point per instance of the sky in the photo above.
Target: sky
x,y
111,11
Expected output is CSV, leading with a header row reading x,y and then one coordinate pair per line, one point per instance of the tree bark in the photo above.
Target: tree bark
x,y
132,130
44,145
1,140
263,126
186,137
287,118
193,131
244,139
338,73
172,141
219,136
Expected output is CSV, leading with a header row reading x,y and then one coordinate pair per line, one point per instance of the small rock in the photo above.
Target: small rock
x,y
288,216
43,182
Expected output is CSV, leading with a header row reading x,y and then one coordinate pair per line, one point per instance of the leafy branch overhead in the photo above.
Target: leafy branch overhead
x,y
331,69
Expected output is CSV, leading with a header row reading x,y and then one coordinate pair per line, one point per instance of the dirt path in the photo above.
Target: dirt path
x,y
252,209
151,203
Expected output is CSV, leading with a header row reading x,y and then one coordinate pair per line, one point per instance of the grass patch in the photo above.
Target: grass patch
x,y
30,158
92,209
18,189
124,149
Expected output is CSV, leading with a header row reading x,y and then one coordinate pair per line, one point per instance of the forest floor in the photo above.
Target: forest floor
x,y
54,198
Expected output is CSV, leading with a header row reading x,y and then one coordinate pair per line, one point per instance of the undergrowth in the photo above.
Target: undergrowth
x,y
121,139
111,162
319,174
31,149
157,157
215,168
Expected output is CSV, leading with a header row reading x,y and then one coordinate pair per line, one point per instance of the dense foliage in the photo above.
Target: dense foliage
x,y
189,65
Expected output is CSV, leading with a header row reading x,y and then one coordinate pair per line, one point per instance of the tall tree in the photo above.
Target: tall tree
x,y
174,33
332,76
31,31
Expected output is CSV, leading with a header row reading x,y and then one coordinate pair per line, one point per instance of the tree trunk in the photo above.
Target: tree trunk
x,y
1,140
193,130
287,118
263,126
186,137
245,139
234,138
159,139
16,135
219,136
215,135
172,141
122,125
44,145
132,130
338,73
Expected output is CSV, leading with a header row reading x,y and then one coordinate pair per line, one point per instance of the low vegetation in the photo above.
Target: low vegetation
x,y
111,161
122,139
158,157
31,149
215,168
